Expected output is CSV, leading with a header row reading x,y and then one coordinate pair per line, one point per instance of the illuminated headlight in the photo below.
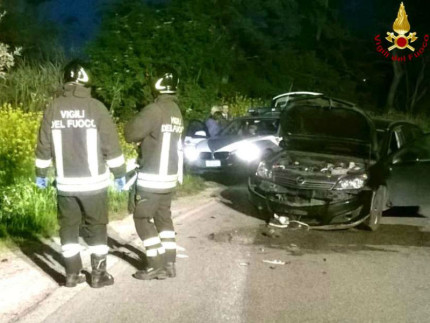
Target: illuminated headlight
x,y
248,152
350,182
191,153
263,171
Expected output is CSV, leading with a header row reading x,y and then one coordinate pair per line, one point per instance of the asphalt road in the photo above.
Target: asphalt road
x,y
224,276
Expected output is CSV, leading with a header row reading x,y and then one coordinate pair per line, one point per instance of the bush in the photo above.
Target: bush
x,y
27,210
32,85
18,135
240,104
129,150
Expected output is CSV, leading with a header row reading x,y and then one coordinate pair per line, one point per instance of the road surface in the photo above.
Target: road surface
x,y
233,268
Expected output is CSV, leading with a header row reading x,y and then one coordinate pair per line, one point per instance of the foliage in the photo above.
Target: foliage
x,y
25,209
129,150
118,202
18,135
240,104
191,185
222,50
32,84
136,39
7,58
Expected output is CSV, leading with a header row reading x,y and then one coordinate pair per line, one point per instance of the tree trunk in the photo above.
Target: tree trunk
x,y
321,21
397,77
416,95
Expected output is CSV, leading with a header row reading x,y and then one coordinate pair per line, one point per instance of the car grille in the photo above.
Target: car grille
x,y
209,156
301,182
221,155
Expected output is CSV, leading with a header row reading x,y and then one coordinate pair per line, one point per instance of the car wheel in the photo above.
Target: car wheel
x,y
377,205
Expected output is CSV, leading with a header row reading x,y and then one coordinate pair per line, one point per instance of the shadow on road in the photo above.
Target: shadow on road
x,y
51,261
127,252
44,256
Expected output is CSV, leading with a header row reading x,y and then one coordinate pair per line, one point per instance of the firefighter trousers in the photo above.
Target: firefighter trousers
x,y
85,215
154,225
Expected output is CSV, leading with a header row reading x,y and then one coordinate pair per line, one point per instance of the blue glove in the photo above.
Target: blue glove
x,y
119,184
42,182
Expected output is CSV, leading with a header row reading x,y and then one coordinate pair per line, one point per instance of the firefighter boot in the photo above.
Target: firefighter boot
x,y
73,271
170,269
154,270
99,276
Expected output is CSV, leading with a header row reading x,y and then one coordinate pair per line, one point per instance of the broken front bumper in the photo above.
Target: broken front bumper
x,y
316,208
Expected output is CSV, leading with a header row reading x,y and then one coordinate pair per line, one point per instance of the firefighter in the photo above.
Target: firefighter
x,y
157,130
78,136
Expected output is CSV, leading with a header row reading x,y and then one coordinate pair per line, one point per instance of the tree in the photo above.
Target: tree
x,y
7,57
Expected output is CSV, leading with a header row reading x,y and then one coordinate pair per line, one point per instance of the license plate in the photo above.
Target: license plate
x,y
213,163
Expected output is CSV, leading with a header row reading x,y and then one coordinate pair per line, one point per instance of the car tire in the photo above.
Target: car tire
x,y
377,205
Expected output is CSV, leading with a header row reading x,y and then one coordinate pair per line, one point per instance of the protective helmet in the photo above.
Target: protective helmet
x,y
75,72
167,82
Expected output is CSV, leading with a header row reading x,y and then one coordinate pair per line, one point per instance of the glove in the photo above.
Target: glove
x,y
42,182
119,184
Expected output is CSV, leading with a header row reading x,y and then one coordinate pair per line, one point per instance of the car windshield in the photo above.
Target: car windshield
x,y
316,121
252,127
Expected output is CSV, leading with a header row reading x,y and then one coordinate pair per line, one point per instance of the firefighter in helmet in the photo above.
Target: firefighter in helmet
x,y
157,130
78,136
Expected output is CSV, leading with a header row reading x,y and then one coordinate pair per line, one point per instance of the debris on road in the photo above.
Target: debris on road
x,y
180,255
244,263
294,250
274,262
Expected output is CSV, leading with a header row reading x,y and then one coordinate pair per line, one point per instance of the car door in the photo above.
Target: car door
x,y
408,180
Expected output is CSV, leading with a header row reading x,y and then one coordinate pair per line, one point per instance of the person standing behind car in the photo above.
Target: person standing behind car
x,y
78,135
213,123
157,129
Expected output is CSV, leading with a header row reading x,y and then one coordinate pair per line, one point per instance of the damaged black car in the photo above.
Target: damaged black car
x,y
339,168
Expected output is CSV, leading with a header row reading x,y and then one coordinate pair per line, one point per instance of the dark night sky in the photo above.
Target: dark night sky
x,y
77,19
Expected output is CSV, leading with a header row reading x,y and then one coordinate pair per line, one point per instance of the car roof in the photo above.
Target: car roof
x,y
295,94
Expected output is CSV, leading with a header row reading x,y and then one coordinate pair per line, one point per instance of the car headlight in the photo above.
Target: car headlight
x,y
351,182
264,171
248,152
191,153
